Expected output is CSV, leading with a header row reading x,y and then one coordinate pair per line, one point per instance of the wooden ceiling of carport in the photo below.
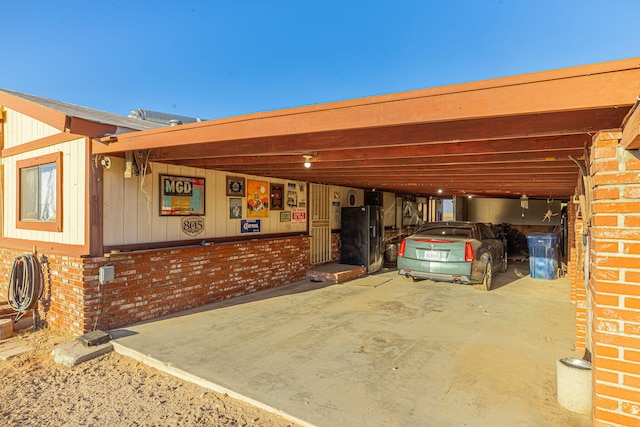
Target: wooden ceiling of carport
x,y
493,138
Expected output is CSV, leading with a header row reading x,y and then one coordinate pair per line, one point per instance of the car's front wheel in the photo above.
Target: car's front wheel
x,y
486,281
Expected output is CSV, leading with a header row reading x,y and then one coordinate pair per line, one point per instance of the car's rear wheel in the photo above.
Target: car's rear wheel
x,y
486,281
504,266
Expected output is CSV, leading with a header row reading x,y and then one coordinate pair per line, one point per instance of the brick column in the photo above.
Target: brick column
x,y
572,258
575,268
614,282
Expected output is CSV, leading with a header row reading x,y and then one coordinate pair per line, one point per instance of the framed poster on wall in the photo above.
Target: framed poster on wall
x,y
257,199
235,186
235,208
277,191
181,195
285,216
292,195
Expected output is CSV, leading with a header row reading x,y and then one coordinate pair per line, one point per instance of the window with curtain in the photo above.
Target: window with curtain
x,y
38,193
38,189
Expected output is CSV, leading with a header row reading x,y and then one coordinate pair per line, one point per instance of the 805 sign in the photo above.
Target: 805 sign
x,y
192,225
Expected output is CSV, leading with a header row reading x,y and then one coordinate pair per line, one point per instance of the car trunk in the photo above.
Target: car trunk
x,y
438,250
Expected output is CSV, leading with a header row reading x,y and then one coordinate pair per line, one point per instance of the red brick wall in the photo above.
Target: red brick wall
x,y
62,304
572,255
575,268
154,283
614,284
335,247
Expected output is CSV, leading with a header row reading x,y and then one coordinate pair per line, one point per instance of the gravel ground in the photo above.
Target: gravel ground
x,y
112,390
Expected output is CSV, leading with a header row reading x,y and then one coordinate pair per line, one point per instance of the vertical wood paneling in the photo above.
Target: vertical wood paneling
x,y
129,219
74,191
158,224
216,225
113,208
211,204
138,205
9,198
69,200
20,129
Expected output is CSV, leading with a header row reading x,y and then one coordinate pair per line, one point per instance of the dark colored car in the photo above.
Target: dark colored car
x,y
459,252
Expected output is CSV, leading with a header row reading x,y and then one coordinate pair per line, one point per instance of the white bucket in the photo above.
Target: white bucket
x,y
574,385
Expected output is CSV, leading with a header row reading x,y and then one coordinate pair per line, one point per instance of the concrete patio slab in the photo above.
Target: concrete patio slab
x,y
378,351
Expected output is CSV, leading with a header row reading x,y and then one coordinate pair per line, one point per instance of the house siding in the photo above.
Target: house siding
x,y
131,207
20,129
73,194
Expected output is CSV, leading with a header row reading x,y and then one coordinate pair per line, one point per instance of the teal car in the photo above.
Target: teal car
x,y
458,252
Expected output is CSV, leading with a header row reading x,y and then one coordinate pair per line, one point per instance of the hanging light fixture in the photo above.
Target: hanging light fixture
x,y
307,160
524,201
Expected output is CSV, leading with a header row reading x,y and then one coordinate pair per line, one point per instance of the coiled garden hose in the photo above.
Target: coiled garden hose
x,y
25,284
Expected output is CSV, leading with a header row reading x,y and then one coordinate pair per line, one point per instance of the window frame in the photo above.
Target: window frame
x,y
55,226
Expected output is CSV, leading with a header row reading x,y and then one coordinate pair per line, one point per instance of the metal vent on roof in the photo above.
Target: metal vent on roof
x,y
161,118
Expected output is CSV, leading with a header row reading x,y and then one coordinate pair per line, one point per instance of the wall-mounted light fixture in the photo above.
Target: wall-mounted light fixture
x,y
105,161
524,201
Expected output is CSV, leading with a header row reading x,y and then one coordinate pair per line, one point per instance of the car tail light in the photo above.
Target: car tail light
x,y
434,241
403,246
468,252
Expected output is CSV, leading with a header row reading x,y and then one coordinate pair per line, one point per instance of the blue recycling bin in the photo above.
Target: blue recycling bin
x,y
543,255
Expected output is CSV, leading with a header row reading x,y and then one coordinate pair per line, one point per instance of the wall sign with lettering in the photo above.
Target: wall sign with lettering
x,y
181,195
298,214
192,225
249,226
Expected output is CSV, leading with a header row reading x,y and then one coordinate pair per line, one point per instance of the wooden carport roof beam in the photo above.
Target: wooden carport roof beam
x,y
631,129
504,136
495,130
580,88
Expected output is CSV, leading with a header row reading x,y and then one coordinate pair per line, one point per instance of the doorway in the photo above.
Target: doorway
x,y
320,228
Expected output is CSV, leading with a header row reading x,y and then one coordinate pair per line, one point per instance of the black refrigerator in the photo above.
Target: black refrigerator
x,y
361,237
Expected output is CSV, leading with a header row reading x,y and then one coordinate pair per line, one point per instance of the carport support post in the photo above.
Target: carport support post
x,y
614,281
575,268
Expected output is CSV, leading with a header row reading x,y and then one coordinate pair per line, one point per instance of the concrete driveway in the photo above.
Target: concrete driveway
x,y
378,351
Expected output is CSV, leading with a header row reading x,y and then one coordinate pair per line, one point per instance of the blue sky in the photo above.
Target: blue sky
x,y
214,59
